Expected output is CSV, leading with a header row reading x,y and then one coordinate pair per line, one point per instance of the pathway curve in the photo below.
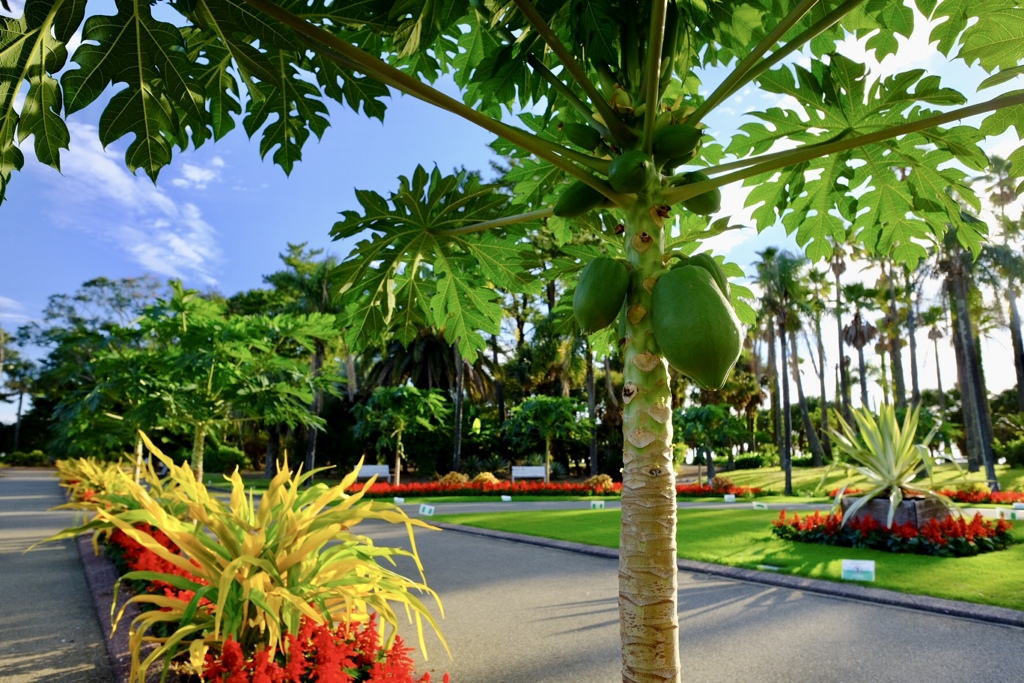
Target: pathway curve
x,y
48,627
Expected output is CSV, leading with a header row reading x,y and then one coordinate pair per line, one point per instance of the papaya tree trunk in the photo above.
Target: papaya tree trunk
x,y
547,459
648,581
352,385
137,468
198,447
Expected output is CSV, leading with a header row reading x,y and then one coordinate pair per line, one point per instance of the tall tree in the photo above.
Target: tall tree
x,y
860,332
307,281
818,288
837,264
625,70
934,317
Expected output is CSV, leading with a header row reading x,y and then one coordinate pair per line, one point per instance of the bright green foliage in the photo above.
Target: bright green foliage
x,y
416,270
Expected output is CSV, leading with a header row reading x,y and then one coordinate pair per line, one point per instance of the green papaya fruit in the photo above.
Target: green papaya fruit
x,y
703,204
708,263
630,170
577,199
600,292
673,142
695,326
581,135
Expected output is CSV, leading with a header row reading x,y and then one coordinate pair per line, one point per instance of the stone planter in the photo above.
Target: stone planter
x,y
916,511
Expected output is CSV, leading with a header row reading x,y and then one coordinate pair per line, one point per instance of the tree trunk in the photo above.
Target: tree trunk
x,y
886,386
198,447
396,476
137,467
773,372
316,365
273,443
817,454
592,410
826,437
460,375
648,581
17,419
899,384
352,387
863,369
785,453
499,386
1018,346
547,459
609,387
938,378
843,403
915,382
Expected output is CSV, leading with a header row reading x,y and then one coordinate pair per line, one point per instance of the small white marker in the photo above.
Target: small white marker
x,y
597,505
427,510
858,570
399,501
730,498
506,499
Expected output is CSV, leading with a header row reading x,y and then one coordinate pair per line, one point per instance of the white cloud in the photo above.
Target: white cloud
x,y
98,195
9,311
197,177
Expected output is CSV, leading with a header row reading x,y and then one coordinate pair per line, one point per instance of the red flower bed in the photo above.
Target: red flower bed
x,y
131,556
954,536
349,654
522,488
532,488
708,491
984,496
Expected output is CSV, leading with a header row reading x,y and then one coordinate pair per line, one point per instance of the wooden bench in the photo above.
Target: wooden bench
x,y
382,472
527,472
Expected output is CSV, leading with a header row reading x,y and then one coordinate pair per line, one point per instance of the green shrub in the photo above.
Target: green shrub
x,y
751,461
1013,451
224,459
803,462
31,459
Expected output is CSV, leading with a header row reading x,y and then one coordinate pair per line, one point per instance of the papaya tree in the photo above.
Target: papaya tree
x,y
611,119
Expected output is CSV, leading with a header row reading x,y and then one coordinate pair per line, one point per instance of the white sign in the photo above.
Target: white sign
x,y
730,498
858,570
399,501
760,506
506,499
1018,506
427,510
597,505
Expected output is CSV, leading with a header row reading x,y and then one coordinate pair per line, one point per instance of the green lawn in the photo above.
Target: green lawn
x,y
742,538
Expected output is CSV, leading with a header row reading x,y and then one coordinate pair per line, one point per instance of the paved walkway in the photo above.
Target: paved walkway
x,y
518,613
48,627
522,613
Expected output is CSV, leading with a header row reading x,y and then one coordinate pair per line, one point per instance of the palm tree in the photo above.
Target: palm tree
x,y
818,288
934,317
955,264
859,332
837,264
778,274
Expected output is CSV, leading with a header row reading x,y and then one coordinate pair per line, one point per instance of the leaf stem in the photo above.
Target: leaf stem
x,y
620,131
652,70
565,91
825,23
351,56
731,82
773,162
497,222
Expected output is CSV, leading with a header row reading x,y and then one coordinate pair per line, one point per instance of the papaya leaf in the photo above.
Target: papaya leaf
x,y
409,268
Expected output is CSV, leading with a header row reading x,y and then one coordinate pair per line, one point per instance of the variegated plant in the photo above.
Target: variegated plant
x,y
263,565
887,455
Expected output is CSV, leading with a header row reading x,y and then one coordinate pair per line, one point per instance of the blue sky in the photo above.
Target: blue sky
x,y
219,216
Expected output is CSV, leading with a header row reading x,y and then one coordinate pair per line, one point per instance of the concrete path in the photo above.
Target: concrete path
x,y
48,627
518,613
